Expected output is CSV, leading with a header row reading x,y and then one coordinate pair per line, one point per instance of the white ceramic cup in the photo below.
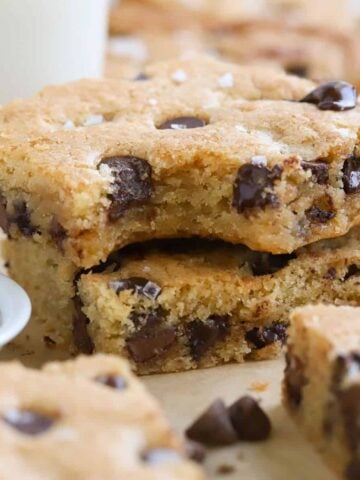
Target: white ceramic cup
x,y
49,42
15,309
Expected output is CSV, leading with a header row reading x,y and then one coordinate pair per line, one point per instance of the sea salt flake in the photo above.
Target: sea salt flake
x,y
259,160
226,81
69,124
153,102
93,120
179,76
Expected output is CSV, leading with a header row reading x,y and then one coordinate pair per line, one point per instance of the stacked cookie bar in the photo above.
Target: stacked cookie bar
x,y
259,163
76,420
321,385
312,39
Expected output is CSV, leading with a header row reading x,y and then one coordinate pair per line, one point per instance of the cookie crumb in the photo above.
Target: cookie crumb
x,y
259,386
225,469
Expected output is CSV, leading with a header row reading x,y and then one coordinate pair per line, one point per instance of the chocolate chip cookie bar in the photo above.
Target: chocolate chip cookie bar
x,y
199,147
302,50
322,382
141,15
176,305
77,420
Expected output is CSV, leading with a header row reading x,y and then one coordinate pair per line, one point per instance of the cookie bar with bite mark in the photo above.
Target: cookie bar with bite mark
x,y
77,420
181,304
322,382
200,147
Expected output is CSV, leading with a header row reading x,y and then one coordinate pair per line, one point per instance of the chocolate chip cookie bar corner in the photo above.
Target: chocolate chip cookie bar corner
x,y
322,383
118,162
76,420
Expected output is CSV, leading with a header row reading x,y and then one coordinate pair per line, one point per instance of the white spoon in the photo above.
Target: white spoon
x,y
15,309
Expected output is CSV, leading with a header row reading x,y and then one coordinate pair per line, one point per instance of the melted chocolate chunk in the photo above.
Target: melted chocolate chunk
x,y
82,339
295,379
4,220
353,271
249,420
111,380
337,96
139,285
21,218
319,170
28,422
57,233
253,185
267,264
261,337
152,340
183,123
157,456
132,184
213,427
352,471
319,216
351,175
205,335
350,409
301,71
195,451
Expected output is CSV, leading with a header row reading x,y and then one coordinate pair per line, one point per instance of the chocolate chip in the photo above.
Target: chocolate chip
x,y
330,274
4,221
195,451
351,175
157,456
132,185
213,427
49,342
152,340
266,263
139,285
350,409
317,215
113,381
319,170
57,233
294,380
141,77
253,187
82,339
205,335
261,337
353,271
337,96
249,420
352,471
28,422
21,218
301,71
183,123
